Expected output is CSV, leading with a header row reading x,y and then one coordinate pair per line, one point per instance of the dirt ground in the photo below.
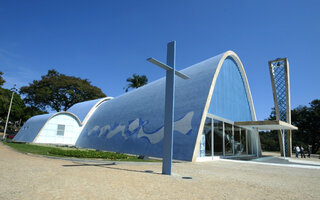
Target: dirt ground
x,y
25,176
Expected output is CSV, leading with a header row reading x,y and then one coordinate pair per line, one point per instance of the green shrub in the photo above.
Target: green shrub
x,y
71,152
89,154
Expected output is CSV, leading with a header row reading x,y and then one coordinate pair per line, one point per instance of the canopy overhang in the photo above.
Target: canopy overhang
x,y
267,125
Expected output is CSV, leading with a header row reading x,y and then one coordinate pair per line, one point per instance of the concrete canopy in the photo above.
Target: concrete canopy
x,y
267,125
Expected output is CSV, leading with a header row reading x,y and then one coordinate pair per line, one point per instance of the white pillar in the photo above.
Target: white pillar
x,y
5,128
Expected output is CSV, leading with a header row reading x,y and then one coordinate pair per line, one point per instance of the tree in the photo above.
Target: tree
x,y
307,119
19,111
269,139
2,81
59,92
136,81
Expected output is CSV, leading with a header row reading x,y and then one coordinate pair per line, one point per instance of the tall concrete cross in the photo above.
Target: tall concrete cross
x,y
169,105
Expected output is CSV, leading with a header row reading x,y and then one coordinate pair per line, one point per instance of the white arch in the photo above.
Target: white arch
x,y
94,108
80,123
214,80
59,113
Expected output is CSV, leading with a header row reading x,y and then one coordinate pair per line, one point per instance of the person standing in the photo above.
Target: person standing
x,y
309,151
302,152
297,151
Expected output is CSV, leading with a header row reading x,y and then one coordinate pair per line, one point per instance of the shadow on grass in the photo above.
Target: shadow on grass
x,y
107,165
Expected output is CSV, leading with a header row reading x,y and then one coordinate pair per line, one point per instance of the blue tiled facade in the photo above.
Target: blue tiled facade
x,y
133,122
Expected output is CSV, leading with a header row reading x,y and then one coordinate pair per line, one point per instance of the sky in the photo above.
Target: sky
x,y
108,41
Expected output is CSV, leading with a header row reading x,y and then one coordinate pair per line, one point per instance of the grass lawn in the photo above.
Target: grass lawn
x,y
72,152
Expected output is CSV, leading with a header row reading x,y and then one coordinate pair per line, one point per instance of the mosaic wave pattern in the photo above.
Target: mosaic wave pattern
x,y
133,122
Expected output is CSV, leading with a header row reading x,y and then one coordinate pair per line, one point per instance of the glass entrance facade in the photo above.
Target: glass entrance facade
x,y
221,137
218,137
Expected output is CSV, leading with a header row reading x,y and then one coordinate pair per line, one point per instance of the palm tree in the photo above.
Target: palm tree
x,y
136,81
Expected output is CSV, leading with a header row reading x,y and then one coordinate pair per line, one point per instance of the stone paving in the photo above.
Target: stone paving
x,y
24,176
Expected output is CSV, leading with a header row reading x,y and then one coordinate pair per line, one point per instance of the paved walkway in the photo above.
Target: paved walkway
x,y
273,158
25,176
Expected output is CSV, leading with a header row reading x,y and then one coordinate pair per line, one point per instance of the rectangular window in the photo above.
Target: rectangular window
x,y
221,137
208,137
228,138
238,148
244,141
60,130
250,145
218,138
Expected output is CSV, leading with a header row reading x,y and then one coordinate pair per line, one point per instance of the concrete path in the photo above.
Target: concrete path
x,y
33,177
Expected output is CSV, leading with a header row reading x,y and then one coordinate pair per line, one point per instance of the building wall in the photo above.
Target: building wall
x,y
79,113
31,128
229,99
133,123
82,109
49,135
229,96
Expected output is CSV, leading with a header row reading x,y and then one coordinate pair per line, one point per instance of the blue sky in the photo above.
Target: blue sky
x,y
107,41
